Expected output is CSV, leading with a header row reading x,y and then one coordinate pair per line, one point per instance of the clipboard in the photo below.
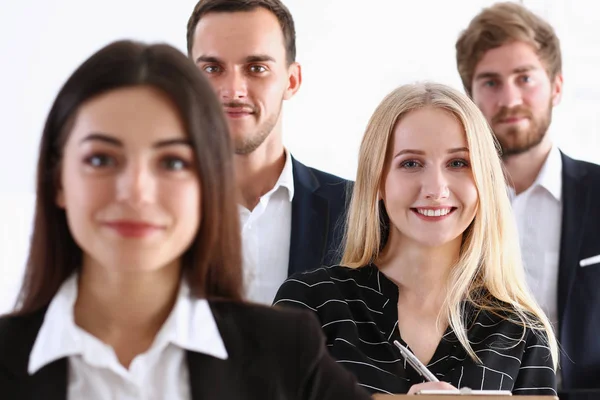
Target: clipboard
x,y
466,392
454,396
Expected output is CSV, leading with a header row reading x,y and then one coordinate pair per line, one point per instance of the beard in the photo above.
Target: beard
x,y
516,140
248,142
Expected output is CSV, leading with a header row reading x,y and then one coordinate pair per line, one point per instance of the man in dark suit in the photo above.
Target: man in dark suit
x,y
509,60
291,214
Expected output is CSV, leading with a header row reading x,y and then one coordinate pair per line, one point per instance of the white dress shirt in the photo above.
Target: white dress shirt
x,y
538,211
94,370
266,233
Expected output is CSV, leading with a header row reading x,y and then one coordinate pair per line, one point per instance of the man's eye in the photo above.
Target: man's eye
x,y
526,78
257,68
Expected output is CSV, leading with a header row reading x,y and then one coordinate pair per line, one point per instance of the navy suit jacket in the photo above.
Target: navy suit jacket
x,y
318,218
579,287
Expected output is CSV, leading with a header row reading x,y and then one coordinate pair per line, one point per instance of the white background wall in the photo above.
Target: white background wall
x,y
352,54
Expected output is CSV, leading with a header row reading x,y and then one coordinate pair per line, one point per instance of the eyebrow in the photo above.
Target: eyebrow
x,y
110,140
422,153
518,70
250,59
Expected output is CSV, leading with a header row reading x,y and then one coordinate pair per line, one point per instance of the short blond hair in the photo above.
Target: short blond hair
x,y
500,24
489,273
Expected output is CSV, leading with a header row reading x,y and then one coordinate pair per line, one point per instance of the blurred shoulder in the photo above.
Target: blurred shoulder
x,y
17,336
251,316
269,331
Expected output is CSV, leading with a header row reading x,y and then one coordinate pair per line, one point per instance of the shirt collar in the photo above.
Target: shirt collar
x,y
286,179
190,326
550,176
57,337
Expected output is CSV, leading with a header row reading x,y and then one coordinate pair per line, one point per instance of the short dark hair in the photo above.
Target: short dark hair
x,y
276,7
212,263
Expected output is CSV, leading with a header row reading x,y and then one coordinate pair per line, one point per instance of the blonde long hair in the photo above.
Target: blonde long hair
x,y
489,273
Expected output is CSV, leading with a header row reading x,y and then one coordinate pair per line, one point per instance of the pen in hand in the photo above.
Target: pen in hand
x,y
415,363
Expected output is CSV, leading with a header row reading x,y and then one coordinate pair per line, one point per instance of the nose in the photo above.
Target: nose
x,y
510,96
136,185
435,185
233,86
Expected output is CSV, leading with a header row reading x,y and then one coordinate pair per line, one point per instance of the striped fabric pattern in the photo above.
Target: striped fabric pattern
x,y
358,312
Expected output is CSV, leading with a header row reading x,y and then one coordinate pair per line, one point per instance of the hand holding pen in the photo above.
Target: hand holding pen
x,y
432,383
415,363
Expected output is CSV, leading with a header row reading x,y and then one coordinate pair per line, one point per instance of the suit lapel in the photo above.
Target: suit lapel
x,y
50,382
211,377
575,202
310,219
205,378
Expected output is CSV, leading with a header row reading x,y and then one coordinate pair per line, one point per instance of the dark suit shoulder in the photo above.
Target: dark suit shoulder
x,y
267,331
261,315
17,336
574,167
327,178
286,351
266,337
591,168
332,185
325,181
592,175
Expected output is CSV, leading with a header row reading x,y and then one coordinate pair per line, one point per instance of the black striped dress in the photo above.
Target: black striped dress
x,y
359,316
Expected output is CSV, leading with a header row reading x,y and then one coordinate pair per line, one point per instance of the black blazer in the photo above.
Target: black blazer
x,y
318,213
273,354
579,287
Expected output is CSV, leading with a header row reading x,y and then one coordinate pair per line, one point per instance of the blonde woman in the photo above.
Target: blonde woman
x,y
431,259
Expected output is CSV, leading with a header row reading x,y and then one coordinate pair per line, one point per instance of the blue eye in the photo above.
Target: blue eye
x,y
174,164
526,78
211,69
100,160
458,164
409,164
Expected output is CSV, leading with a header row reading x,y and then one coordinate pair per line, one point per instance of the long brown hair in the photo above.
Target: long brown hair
x,y
212,263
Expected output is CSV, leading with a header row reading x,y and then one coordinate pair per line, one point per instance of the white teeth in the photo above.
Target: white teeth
x,y
434,213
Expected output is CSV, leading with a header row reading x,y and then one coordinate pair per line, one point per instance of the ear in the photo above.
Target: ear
x,y
557,89
294,80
